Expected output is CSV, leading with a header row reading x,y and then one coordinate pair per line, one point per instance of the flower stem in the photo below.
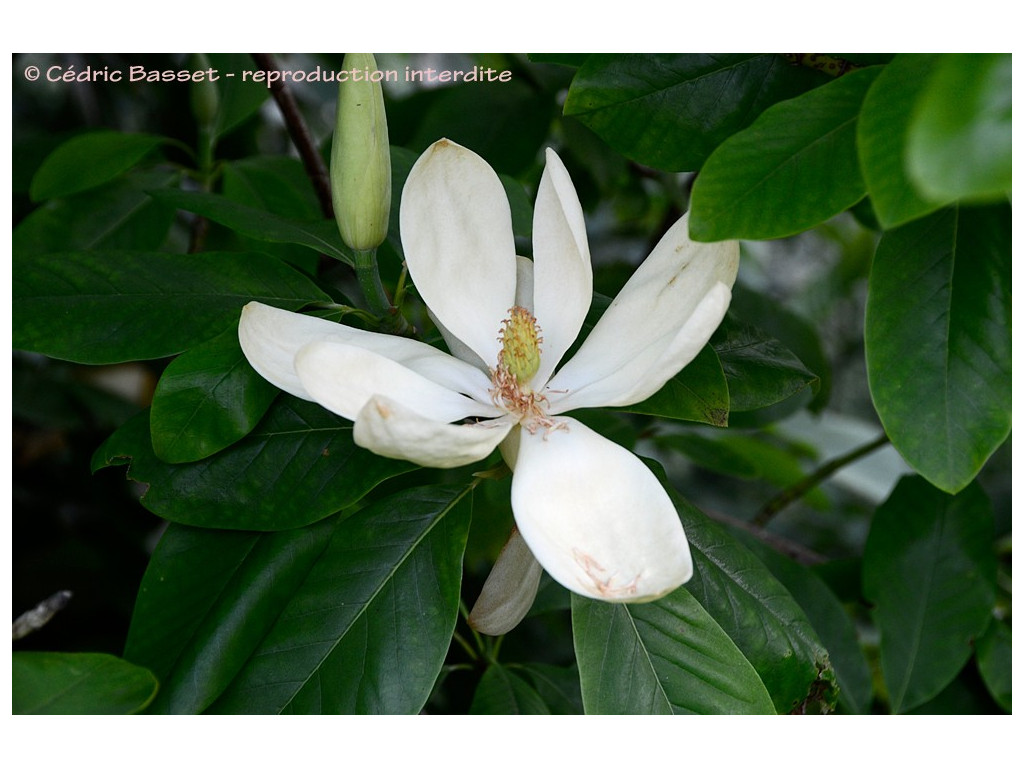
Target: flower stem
x,y
373,290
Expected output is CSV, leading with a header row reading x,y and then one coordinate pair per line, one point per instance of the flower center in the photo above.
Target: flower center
x,y
518,361
520,345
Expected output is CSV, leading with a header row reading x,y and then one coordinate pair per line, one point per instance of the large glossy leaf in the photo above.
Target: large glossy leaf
x,y
929,569
830,620
298,466
669,111
937,341
559,687
995,657
206,399
89,160
112,306
793,168
368,628
959,142
119,215
698,393
206,601
759,614
502,692
759,370
78,684
882,139
795,332
665,657
321,236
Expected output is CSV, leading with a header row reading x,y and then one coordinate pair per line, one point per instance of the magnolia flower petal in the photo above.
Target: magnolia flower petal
x,y
390,429
659,300
524,282
653,365
509,591
342,378
271,337
457,237
564,282
595,517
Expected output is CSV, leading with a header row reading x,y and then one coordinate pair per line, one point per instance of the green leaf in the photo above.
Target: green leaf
x,y
759,614
206,601
78,684
90,160
882,139
670,111
798,334
795,167
113,306
368,629
505,123
759,370
321,236
501,692
959,142
929,569
665,657
272,183
937,341
207,398
298,466
120,215
698,393
995,657
239,99
714,455
829,619
559,687
776,464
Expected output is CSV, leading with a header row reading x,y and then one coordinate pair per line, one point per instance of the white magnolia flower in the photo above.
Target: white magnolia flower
x,y
587,509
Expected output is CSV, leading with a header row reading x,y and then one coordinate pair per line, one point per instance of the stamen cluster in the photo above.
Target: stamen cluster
x,y
518,361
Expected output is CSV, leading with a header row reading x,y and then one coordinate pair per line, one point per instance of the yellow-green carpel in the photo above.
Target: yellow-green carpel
x,y
520,345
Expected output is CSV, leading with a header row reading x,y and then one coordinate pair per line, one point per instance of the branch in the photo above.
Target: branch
x,y
314,164
790,549
826,470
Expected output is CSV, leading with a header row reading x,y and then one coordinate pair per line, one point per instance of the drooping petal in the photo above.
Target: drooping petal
x,y
271,337
389,429
509,591
458,243
680,280
342,378
595,517
563,278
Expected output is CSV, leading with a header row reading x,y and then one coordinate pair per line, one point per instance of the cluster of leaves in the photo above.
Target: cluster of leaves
x,y
298,573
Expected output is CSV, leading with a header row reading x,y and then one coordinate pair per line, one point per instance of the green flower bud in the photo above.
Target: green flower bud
x,y
361,159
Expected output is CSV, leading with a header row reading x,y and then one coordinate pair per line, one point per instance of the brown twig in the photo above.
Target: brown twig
x,y
314,164
790,549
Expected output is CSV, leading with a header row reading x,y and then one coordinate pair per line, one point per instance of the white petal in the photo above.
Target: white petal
x,y
596,518
509,591
389,429
342,378
271,338
458,243
681,280
563,279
